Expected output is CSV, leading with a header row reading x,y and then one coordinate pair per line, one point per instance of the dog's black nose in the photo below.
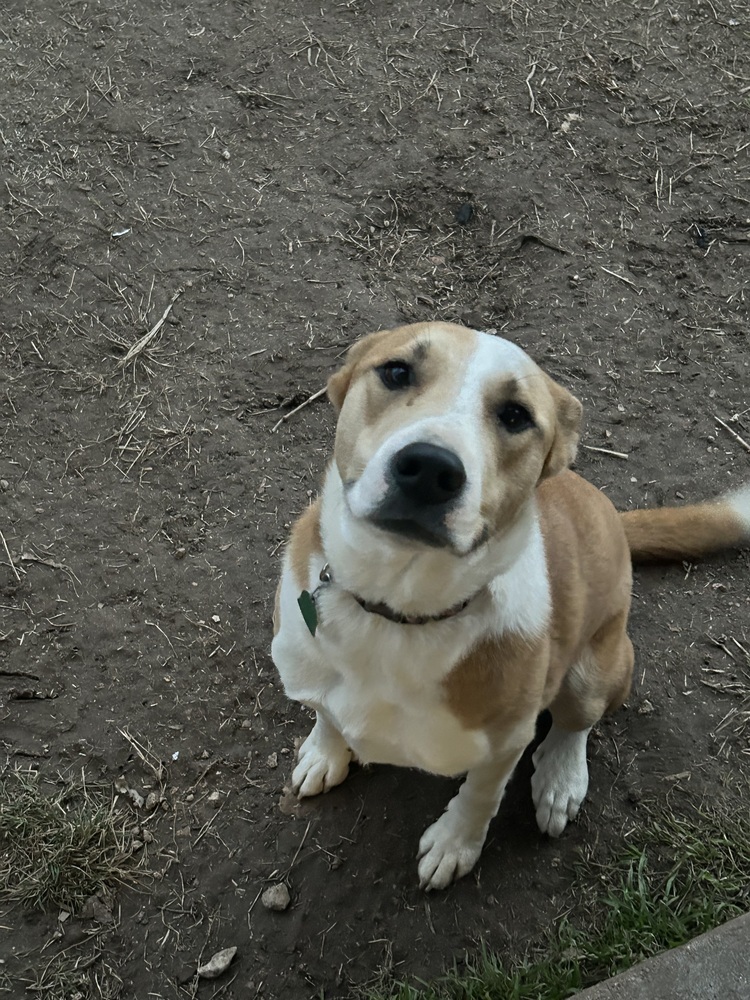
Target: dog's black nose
x,y
428,474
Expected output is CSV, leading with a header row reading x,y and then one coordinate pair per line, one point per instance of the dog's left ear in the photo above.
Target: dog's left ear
x,y
567,430
338,383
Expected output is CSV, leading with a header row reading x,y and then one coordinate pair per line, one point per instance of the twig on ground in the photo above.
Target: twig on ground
x,y
299,848
52,563
142,344
10,558
734,433
605,451
150,760
532,101
622,277
288,416
14,197
207,826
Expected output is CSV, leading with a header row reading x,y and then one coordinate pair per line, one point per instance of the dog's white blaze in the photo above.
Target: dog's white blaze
x,y
493,356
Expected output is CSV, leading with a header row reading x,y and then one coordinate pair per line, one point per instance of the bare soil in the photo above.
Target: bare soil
x,y
289,177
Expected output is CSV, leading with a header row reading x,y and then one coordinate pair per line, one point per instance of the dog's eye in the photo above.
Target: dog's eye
x,y
396,374
515,418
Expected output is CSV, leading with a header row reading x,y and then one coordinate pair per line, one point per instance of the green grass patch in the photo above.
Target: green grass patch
x,y
684,876
61,842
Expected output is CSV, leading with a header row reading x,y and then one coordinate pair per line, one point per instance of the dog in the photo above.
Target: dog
x,y
455,578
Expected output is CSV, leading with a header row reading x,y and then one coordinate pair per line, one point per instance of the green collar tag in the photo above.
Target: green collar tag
x,y
306,603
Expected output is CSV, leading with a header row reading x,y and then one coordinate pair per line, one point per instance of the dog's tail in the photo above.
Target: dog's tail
x,y
689,532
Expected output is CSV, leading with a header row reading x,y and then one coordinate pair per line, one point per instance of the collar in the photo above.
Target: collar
x,y
385,611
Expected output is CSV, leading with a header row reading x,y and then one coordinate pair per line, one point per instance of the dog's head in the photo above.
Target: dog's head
x,y
444,433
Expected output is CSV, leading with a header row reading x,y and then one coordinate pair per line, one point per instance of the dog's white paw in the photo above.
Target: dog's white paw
x,y
448,850
322,763
560,780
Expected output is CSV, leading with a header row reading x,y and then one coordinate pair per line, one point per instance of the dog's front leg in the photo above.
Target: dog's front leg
x,y
451,846
323,759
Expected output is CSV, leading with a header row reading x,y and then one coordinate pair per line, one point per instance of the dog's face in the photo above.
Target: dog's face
x,y
444,433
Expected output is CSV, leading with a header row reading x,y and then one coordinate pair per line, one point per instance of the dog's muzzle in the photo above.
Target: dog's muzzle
x,y
425,482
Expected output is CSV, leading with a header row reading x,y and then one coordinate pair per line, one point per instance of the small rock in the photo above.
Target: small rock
x,y
645,707
152,801
217,964
247,724
214,799
98,909
180,553
273,760
276,897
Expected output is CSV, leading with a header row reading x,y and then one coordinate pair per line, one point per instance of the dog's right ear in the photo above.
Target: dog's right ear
x,y
339,382
338,385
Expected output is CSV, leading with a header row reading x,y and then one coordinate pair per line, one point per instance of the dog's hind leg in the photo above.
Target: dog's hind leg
x,y
323,759
597,683
451,846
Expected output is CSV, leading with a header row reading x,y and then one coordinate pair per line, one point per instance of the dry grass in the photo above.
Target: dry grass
x,y
62,843
733,680
73,977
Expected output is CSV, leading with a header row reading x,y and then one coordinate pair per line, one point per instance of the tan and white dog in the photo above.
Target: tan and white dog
x,y
455,579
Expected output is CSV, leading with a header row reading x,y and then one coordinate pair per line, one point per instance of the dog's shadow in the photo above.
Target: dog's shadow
x,y
374,820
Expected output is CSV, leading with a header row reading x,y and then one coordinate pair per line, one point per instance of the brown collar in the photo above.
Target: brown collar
x,y
385,611
394,616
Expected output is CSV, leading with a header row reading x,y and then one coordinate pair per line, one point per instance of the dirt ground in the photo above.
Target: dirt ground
x,y
287,177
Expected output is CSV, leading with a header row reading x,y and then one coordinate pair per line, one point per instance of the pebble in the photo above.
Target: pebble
x,y
276,897
217,964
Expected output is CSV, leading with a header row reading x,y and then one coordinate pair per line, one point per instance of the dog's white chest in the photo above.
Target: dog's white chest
x,y
394,727
381,685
